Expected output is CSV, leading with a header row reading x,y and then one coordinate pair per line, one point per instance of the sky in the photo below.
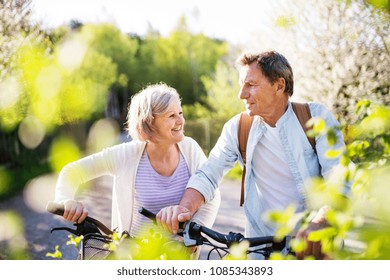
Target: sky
x,y
234,21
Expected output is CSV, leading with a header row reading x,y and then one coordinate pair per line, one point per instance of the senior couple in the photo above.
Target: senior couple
x,y
167,172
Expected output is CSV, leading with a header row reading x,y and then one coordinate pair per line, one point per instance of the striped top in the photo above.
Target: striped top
x,y
154,191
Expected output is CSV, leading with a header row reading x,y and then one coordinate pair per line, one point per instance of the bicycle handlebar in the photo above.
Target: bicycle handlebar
x,y
152,216
192,232
192,236
59,208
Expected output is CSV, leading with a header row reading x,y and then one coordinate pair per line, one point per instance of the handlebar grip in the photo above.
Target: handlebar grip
x,y
55,208
59,208
152,216
147,213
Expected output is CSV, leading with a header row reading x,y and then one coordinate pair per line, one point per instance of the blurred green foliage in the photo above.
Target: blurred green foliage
x,y
154,243
13,231
55,85
180,60
380,4
65,80
359,223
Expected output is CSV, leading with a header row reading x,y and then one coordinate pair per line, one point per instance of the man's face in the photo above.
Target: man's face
x,y
258,94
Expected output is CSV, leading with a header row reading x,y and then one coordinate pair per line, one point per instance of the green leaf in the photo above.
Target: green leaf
x,y
56,255
319,126
332,154
322,234
331,137
361,105
75,241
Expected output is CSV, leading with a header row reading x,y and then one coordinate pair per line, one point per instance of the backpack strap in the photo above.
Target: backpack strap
x,y
243,131
302,111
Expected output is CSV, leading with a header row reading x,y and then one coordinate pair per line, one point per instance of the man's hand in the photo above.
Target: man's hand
x,y
313,248
169,217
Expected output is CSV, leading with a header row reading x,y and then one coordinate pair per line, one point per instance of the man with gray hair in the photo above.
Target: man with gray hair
x,y
279,157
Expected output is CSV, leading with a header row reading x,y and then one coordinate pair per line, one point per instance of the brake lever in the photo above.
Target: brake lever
x,y
83,228
191,234
64,228
287,248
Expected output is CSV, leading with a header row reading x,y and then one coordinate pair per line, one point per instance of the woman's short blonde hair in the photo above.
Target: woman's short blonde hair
x,y
154,99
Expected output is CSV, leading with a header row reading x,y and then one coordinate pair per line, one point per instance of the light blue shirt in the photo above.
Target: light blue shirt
x,y
303,161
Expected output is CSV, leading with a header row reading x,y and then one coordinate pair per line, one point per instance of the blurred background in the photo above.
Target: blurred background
x,y
68,70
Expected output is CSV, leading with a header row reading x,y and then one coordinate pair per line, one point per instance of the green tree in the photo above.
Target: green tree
x,y
15,28
49,86
222,92
380,4
205,120
121,50
180,60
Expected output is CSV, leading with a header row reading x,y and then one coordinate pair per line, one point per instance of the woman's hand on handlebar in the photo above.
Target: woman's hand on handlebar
x,y
74,211
169,217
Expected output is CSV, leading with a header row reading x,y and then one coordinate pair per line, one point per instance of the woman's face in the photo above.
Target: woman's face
x,y
170,125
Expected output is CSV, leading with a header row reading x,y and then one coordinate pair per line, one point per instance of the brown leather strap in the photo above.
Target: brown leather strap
x,y
302,111
243,131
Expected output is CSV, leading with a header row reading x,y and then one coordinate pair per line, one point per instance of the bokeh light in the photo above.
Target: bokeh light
x,y
9,92
11,225
48,82
63,151
31,132
39,191
103,133
71,53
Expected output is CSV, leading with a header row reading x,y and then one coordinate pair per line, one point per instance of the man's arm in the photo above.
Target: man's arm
x,y
169,217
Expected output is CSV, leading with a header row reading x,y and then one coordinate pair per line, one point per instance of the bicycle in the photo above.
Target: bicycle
x,y
194,235
98,242
96,237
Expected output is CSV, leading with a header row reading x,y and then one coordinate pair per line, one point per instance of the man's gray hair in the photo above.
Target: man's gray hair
x,y
272,64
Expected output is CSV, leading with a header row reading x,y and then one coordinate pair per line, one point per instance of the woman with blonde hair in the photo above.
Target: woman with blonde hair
x,y
151,171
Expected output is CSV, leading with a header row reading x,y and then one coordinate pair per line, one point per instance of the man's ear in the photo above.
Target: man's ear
x,y
281,85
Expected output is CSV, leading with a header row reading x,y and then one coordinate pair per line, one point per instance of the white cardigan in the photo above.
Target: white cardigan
x,y
121,162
